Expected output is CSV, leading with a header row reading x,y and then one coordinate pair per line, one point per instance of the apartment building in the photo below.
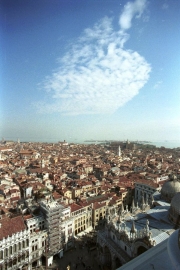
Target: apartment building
x,y
98,213
82,215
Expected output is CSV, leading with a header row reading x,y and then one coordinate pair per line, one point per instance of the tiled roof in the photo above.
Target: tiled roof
x,y
75,207
97,205
11,226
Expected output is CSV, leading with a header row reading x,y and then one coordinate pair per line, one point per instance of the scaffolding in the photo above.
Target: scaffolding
x,y
53,215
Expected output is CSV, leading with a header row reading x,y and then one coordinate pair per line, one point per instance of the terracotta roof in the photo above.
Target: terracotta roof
x,y
75,207
84,203
10,226
97,205
26,152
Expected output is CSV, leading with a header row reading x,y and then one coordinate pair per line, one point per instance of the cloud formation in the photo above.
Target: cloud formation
x,y
130,10
97,75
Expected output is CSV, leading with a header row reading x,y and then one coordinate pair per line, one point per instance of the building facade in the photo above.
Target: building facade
x,y
14,244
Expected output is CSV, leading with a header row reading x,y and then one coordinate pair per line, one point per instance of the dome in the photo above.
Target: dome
x,y
174,211
169,189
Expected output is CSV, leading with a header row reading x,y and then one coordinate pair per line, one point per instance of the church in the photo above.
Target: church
x,y
131,236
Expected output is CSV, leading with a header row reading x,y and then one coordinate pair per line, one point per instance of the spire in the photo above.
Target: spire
x,y
147,226
133,229
137,205
122,207
142,203
119,151
151,201
133,206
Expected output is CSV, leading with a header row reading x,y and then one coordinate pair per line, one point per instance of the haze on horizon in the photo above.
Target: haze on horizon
x,y
82,70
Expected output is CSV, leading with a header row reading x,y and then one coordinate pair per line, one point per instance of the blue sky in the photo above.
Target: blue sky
x,y
90,69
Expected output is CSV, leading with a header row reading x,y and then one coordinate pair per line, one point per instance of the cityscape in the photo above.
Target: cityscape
x,y
88,206
89,135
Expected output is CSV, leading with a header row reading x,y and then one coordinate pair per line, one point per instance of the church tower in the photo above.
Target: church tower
x,y
119,151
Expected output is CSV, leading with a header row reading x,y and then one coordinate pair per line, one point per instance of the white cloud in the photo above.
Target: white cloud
x,y
130,10
157,85
97,75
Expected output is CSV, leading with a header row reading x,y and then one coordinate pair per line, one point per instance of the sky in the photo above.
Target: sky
x,y
80,70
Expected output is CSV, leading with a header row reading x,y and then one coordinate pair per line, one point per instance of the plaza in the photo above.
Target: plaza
x,y
82,256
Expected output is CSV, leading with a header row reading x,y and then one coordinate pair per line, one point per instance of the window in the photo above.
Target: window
x,y
6,252
1,254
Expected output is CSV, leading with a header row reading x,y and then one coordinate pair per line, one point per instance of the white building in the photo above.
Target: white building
x,y
127,235
146,190
14,244
67,226
164,256
37,240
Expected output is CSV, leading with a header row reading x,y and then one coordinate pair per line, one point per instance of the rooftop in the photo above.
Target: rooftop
x,y
10,226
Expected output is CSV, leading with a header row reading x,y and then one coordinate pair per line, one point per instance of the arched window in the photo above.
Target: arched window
x,y
6,252
10,250
1,254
